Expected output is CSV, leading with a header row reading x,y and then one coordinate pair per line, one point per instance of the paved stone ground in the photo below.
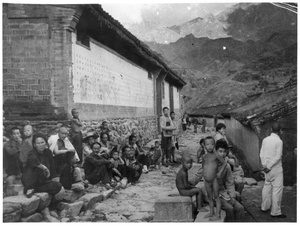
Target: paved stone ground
x,y
136,203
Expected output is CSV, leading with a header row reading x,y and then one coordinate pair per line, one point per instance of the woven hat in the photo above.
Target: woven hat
x,y
88,135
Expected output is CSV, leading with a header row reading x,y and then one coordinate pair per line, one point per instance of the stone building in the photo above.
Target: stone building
x,y
59,57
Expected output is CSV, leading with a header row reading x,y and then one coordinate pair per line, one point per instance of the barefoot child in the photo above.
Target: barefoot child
x,y
210,173
183,186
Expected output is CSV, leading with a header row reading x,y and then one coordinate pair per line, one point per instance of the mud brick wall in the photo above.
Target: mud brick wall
x,y
36,60
120,128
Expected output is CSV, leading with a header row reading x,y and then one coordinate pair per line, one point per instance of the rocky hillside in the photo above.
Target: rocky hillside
x,y
244,21
225,70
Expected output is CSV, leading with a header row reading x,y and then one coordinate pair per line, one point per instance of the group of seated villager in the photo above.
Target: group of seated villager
x,y
67,160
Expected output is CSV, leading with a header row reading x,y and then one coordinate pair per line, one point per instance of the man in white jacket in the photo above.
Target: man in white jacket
x,y
59,154
270,155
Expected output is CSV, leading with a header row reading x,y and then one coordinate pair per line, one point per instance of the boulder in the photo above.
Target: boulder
x,y
15,189
70,209
36,217
90,200
45,200
72,196
12,212
29,205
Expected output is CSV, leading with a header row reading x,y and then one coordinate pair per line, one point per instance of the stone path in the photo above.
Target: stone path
x,y
136,203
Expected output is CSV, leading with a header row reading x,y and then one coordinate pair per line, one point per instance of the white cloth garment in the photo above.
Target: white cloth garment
x,y
52,141
270,155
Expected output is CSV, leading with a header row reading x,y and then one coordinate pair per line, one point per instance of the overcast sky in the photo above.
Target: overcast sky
x,y
162,14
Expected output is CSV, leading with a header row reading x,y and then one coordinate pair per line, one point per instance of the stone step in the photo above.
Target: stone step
x,y
28,205
173,209
200,217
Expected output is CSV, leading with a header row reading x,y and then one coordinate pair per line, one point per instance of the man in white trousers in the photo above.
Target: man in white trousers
x,y
270,155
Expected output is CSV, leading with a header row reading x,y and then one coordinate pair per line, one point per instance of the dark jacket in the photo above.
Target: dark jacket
x,y
93,161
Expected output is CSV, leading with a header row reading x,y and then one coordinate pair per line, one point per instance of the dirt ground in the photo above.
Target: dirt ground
x,y
136,203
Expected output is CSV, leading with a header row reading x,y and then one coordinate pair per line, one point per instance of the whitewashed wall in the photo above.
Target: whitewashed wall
x,y
101,76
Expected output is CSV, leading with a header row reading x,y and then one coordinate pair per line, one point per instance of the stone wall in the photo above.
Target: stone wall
x,y
120,128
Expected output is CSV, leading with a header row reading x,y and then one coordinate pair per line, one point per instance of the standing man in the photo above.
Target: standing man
x,y
174,138
270,155
166,127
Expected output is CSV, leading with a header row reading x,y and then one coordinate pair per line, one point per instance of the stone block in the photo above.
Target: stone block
x,y
12,212
36,217
70,209
200,217
72,196
173,209
45,200
90,200
29,205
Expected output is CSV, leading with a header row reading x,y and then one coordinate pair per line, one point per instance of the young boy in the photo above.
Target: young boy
x,y
200,151
70,176
155,155
26,144
210,163
183,186
119,167
221,132
76,133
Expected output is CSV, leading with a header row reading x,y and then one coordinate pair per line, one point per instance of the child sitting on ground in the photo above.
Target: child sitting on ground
x,y
201,151
155,155
70,176
119,167
210,173
184,187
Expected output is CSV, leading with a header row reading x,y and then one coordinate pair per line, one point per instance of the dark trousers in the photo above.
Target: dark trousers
x,y
33,178
144,160
133,175
59,161
234,212
77,143
166,145
101,173
121,169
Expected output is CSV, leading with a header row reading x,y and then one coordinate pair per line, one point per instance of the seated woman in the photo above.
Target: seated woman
x,y
132,167
39,171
